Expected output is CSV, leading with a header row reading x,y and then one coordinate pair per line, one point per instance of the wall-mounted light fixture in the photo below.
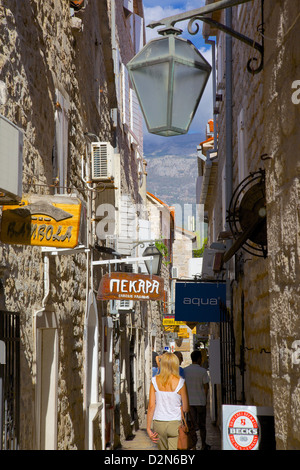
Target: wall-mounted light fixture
x,y
169,74
159,73
153,265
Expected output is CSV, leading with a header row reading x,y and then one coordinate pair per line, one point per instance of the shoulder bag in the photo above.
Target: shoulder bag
x,y
187,437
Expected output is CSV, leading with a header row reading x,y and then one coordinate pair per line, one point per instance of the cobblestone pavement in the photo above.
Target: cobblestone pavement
x,y
141,441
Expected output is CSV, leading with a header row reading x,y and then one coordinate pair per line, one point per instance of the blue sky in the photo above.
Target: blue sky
x,y
154,10
158,9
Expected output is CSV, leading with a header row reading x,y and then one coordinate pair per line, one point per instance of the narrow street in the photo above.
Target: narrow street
x,y
149,203
141,440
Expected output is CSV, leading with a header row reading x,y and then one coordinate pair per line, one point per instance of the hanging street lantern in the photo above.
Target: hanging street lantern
x,y
154,265
169,76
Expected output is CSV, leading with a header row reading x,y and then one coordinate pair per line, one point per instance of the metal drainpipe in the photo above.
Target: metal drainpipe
x,y
46,280
228,168
213,53
208,161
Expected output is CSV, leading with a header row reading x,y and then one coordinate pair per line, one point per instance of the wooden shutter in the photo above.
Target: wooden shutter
x,y
127,226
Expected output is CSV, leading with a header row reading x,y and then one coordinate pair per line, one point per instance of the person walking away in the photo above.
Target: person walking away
x,y
167,400
180,357
155,370
197,383
154,362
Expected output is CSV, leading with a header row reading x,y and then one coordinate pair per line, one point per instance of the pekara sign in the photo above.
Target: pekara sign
x,y
130,286
51,221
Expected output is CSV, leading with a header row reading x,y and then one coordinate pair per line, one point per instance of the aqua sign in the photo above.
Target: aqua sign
x,y
199,301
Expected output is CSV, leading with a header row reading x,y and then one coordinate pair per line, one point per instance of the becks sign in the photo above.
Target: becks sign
x,y
199,301
130,286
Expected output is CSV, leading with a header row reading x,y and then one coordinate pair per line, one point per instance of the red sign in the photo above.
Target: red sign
x,y
243,430
130,286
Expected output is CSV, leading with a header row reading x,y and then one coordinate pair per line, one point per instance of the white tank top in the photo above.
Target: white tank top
x,y
167,404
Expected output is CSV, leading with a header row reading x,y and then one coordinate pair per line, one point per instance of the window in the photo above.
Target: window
x,y
128,6
138,33
60,151
131,113
242,164
125,96
224,208
221,61
127,225
136,119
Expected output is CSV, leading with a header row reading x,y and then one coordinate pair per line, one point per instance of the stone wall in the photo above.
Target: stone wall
x,y
40,54
183,252
270,101
251,272
282,141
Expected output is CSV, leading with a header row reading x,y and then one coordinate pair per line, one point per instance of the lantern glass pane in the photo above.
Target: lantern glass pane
x,y
156,49
192,80
169,75
151,83
186,50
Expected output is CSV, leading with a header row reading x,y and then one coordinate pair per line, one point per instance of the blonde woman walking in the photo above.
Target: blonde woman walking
x,y
168,394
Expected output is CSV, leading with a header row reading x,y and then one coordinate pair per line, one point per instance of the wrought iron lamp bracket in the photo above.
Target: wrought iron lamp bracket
x,y
241,37
198,15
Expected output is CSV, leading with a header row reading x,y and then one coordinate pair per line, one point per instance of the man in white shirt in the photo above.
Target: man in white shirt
x,y
197,383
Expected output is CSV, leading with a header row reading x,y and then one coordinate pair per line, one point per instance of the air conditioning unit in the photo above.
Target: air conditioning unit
x,y
124,305
11,162
102,161
209,260
111,241
174,272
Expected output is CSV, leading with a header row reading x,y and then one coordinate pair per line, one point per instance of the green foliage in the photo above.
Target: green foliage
x,y
199,253
164,251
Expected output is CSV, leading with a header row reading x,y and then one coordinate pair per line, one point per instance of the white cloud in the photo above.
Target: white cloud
x,y
157,13
153,11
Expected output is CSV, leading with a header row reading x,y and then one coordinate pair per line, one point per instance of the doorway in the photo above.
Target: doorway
x,y
9,380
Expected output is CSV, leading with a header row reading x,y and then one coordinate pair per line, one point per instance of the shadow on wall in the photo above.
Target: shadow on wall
x,y
33,100
71,400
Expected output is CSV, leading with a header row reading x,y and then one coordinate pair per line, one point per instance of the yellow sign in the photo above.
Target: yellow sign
x,y
171,321
42,221
183,333
171,328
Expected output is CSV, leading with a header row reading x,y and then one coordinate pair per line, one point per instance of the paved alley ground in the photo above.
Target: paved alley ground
x,y
141,440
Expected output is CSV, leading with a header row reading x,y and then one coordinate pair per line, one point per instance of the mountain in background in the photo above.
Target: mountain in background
x,y
172,167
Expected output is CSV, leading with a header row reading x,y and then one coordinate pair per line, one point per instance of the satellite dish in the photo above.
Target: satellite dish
x,y
247,216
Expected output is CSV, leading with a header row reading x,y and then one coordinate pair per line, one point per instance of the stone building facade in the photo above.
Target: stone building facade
x,y
257,137
84,363
281,105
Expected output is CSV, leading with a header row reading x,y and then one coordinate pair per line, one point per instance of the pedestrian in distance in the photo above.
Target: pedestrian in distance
x,y
180,357
168,399
197,383
155,357
155,370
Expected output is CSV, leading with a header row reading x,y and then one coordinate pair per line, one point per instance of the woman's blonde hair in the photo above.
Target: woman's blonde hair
x,y
169,365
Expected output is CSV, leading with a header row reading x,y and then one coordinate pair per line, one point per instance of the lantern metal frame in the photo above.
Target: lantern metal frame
x,y
167,51
152,252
